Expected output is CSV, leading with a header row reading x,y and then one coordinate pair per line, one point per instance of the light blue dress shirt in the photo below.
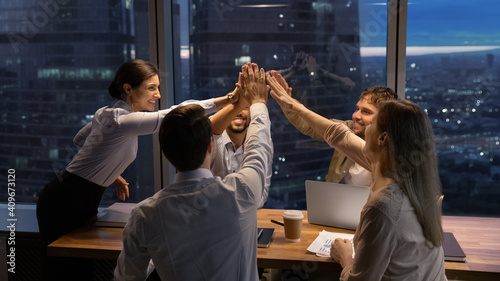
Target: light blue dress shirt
x,y
202,227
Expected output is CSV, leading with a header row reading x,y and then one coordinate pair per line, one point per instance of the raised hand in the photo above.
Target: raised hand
x,y
281,80
255,88
239,92
280,94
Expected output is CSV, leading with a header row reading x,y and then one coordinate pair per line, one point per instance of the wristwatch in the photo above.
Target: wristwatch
x,y
230,97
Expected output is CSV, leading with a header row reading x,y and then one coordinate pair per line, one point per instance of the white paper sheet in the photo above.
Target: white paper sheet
x,y
322,244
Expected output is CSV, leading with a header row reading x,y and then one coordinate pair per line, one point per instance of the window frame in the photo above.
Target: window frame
x,y
396,45
162,53
161,35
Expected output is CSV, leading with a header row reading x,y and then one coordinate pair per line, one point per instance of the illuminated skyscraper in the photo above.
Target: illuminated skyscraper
x,y
57,59
224,37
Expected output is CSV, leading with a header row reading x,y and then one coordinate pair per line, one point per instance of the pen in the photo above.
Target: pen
x,y
277,222
260,233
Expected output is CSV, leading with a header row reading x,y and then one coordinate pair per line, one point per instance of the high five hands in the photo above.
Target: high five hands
x,y
281,92
252,87
254,83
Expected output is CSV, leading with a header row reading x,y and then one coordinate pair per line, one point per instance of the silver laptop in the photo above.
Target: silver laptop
x,y
335,204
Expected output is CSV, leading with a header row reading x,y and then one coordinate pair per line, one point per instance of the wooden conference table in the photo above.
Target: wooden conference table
x,y
478,237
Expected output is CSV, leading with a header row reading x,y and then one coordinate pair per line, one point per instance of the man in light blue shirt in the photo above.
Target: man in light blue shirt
x,y
202,227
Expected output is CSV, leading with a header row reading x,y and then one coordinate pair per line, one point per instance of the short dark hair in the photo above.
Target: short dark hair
x,y
378,94
185,134
133,72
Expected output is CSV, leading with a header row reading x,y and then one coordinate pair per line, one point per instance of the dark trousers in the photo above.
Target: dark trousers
x,y
66,203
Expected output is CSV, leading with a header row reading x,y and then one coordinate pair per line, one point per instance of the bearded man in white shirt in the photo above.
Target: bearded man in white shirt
x,y
231,147
203,227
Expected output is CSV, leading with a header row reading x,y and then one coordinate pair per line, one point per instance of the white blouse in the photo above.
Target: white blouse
x,y
108,144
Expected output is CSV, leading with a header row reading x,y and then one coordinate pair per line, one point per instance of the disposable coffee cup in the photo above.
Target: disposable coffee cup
x,y
293,225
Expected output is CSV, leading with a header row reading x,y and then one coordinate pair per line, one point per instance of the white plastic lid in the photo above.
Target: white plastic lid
x,y
293,215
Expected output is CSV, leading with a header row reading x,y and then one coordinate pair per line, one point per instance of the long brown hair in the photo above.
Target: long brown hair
x,y
412,161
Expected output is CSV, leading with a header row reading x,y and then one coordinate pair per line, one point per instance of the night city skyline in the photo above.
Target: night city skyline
x,y
59,79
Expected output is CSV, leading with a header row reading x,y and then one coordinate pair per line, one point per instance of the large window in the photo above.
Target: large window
x,y
57,59
324,49
453,72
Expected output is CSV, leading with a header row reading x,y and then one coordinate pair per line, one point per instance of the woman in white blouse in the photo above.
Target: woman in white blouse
x,y
107,145
399,236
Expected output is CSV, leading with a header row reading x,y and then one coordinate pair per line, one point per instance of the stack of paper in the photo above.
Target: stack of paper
x,y
115,215
322,244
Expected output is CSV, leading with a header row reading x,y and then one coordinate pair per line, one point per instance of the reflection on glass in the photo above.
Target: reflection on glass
x,y
56,64
315,45
453,73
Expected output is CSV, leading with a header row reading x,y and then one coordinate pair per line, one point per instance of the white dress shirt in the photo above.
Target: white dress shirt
x,y
202,227
228,160
109,143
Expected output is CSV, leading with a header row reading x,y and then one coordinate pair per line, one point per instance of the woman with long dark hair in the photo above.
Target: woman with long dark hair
x,y
399,236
